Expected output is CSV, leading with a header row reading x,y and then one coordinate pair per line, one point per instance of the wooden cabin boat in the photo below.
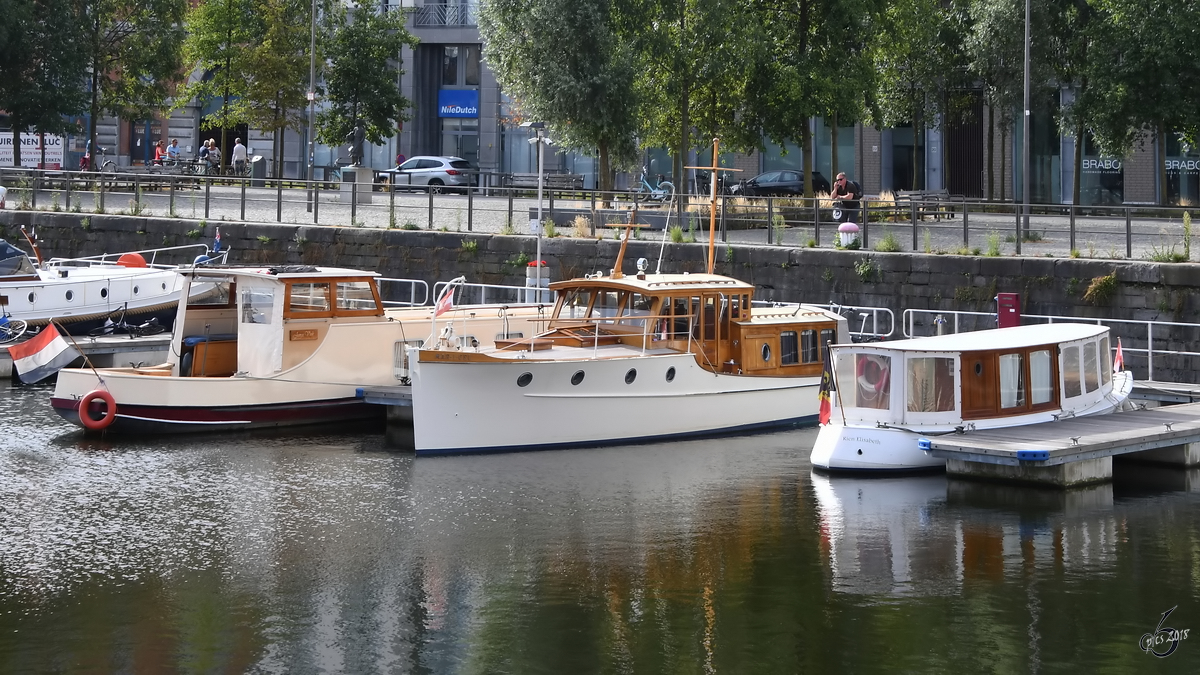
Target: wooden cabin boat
x,y
270,347
889,394
626,359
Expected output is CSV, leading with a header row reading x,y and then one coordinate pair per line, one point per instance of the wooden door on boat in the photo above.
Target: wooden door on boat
x,y
980,385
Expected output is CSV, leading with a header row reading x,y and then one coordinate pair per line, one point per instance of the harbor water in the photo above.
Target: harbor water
x,y
335,552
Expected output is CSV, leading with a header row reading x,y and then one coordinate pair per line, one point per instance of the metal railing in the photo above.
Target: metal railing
x,y
933,226
484,294
1141,330
442,14
114,258
387,289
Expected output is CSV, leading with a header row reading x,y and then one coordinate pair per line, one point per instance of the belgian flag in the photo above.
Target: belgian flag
x,y
825,406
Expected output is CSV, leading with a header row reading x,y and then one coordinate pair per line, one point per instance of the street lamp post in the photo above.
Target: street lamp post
x,y
1023,221
312,97
542,142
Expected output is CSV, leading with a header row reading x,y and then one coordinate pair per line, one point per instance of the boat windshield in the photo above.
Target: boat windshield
x,y
13,261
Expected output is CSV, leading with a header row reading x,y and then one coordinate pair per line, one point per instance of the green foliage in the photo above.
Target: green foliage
x,y
361,75
889,243
1101,290
470,246
866,269
409,225
993,244
827,275
263,239
195,233
86,224
1187,235
565,64
1165,254
54,205
676,234
548,229
507,230
728,254
1074,253
811,243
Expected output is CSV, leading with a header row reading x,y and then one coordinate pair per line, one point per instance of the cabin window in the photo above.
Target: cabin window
x,y
639,306
788,348
223,294
576,304
1091,368
1106,366
355,295
308,298
930,384
1012,381
1071,384
510,336
873,381
608,303
400,357
809,347
1041,385
258,305
826,340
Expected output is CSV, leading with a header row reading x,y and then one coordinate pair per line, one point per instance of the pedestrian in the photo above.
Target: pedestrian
x,y
160,153
214,156
203,156
238,157
173,151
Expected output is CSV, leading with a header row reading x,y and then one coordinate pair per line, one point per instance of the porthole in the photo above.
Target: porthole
x,y
766,353
70,295
164,286
631,376
577,377
31,298
135,290
104,292
524,379
979,367
671,374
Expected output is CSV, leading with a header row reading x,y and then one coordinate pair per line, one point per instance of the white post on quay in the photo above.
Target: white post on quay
x,y
541,141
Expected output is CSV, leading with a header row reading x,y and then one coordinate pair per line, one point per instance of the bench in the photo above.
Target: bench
x,y
928,202
555,181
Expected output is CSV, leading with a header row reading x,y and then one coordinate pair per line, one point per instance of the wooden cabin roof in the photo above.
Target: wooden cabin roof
x,y
661,284
290,272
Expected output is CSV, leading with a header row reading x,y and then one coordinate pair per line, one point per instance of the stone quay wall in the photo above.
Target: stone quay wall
x,y
1128,290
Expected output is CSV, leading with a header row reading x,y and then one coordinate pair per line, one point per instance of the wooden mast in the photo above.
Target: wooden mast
x,y
712,207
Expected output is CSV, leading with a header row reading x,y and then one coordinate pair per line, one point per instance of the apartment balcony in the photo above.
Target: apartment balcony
x,y
449,14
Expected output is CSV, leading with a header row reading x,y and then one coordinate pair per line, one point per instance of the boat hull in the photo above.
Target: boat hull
x,y
150,419
479,407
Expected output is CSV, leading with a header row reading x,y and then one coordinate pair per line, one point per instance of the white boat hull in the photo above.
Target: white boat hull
x,y
479,407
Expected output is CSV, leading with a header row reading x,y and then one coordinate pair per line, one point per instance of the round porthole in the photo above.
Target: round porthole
x,y
135,290
32,297
164,286
70,295
577,377
631,376
979,367
524,379
104,292
671,374
766,352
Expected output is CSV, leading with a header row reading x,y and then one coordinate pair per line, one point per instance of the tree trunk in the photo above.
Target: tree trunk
x,y
833,148
1160,142
16,131
806,154
605,174
991,148
1003,160
918,179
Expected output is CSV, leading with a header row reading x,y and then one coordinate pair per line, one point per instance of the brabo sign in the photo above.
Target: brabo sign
x,y
458,103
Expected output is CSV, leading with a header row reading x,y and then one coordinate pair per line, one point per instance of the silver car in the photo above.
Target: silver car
x,y
435,172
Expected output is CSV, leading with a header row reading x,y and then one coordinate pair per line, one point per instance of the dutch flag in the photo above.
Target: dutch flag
x,y
42,356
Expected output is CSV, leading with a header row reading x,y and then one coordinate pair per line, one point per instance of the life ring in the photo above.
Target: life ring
x,y
873,375
110,412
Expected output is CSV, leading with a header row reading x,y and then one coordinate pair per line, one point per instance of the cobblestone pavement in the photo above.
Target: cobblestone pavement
x,y
1094,237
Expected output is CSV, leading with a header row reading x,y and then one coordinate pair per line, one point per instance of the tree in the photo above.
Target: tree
x,y
275,94
133,50
1142,75
995,50
223,45
563,63
41,67
362,74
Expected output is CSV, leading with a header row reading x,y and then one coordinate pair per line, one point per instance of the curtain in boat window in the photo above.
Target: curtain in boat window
x,y
1091,367
873,381
930,384
1106,357
1071,385
1041,388
1012,381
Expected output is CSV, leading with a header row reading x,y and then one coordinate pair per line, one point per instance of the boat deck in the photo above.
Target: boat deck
x,y
1073,440
560,353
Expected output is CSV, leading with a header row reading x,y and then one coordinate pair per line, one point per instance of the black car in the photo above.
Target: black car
x,y
779,184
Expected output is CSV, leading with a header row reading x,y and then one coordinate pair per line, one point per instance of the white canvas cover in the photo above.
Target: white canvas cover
x,y
260,326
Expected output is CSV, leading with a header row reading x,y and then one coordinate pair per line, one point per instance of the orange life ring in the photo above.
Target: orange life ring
x,y
110,412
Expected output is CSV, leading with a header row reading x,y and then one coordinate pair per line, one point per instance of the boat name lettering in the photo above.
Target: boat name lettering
x,y
305,334
860,439
450,356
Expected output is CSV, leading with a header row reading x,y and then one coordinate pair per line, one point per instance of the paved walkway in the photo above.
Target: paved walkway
x,y
1094,237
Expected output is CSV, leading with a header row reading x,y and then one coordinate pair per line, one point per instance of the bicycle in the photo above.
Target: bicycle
x,y
111,327
861,335
106,164
661,192
11,329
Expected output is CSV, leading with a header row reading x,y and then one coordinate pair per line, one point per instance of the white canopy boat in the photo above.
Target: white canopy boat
x,y
272,347
80,294
988,379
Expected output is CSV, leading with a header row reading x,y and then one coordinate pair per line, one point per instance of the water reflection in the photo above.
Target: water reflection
x,y
331,553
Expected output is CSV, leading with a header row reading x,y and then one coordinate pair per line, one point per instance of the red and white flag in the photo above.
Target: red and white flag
x,y
42,356
1119,359
444,303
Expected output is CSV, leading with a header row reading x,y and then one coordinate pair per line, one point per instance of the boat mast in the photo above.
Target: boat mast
x,y
712,206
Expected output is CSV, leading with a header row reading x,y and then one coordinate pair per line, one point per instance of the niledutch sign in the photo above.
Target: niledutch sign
x,y
458,103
